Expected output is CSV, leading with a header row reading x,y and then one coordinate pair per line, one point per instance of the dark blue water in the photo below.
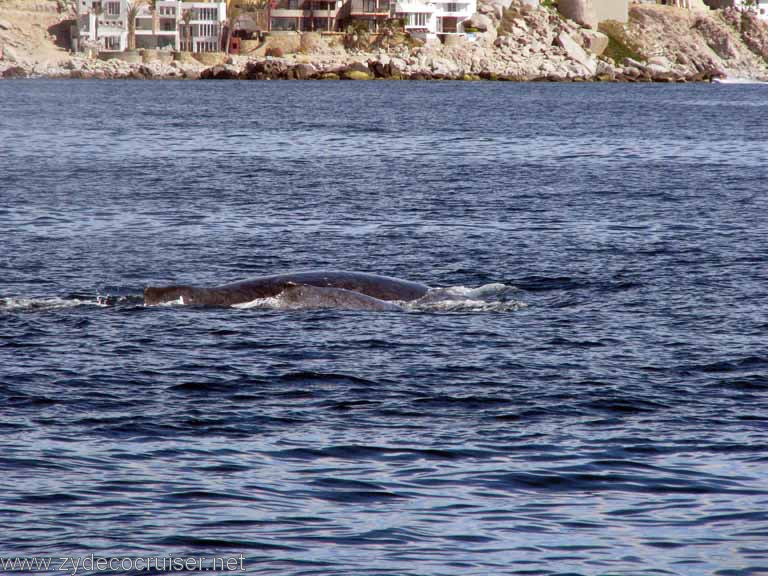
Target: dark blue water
x,y
614,422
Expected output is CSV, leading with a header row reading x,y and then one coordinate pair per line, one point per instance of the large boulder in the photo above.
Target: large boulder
x,y
378,68
576,52
595,42
9,54
219,72
349,74
15,72
264,70
479,21
580,11
304,71
358,67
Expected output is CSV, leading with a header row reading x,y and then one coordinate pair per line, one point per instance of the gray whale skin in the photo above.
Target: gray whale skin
x,y
351,284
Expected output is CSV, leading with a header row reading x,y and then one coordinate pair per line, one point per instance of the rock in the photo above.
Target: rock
x,y
305,71
576,52
219,72
580,11
146,72
660,61
15,72
655,70
358,67
9,55
634,63
5,25
355,75
264,70
378,69
479,21
595,42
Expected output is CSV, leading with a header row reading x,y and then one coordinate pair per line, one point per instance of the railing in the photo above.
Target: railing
x,y
370,7
419,7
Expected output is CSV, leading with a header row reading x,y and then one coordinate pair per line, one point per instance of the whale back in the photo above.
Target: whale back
x,y
373,285
306,297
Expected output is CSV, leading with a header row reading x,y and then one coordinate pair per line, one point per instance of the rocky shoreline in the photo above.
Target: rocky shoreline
x,y
515,42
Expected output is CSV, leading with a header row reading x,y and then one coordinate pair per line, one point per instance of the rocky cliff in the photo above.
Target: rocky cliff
x,y
32,33
513,41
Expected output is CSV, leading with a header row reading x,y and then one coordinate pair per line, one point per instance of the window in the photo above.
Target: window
x,y
417,20
206,30
206,46
205,14
452,7
112,42
112,9
369,6
283,23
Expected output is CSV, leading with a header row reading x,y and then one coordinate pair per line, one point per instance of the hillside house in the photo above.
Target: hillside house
x,y
170,25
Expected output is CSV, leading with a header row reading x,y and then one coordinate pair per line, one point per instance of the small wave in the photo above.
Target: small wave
x,y
493,297
42,304
465,306
23,304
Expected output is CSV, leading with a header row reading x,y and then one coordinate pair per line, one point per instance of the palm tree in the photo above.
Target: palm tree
x,y
187,18
356,36
233,13
98,11
134,6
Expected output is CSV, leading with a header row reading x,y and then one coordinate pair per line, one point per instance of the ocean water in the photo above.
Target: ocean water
x,y
592,400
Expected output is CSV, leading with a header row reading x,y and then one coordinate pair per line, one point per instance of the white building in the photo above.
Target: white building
x,y
159,28
430,18
170,25
102,23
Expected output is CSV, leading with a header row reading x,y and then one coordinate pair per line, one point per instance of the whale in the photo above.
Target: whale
x,y
353,289
306,297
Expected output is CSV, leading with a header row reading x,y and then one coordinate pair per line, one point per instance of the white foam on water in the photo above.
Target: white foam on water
x,y
178,302
486,298
466,305
42,304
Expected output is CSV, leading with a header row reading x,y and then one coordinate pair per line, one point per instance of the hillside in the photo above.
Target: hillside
x,y
730,41
29,32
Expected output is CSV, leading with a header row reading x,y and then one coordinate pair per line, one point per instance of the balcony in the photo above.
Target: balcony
x,y
452,9
414,7
370,7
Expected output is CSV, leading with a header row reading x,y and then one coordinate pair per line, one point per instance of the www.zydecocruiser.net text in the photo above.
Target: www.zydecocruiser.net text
x,y
74,565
